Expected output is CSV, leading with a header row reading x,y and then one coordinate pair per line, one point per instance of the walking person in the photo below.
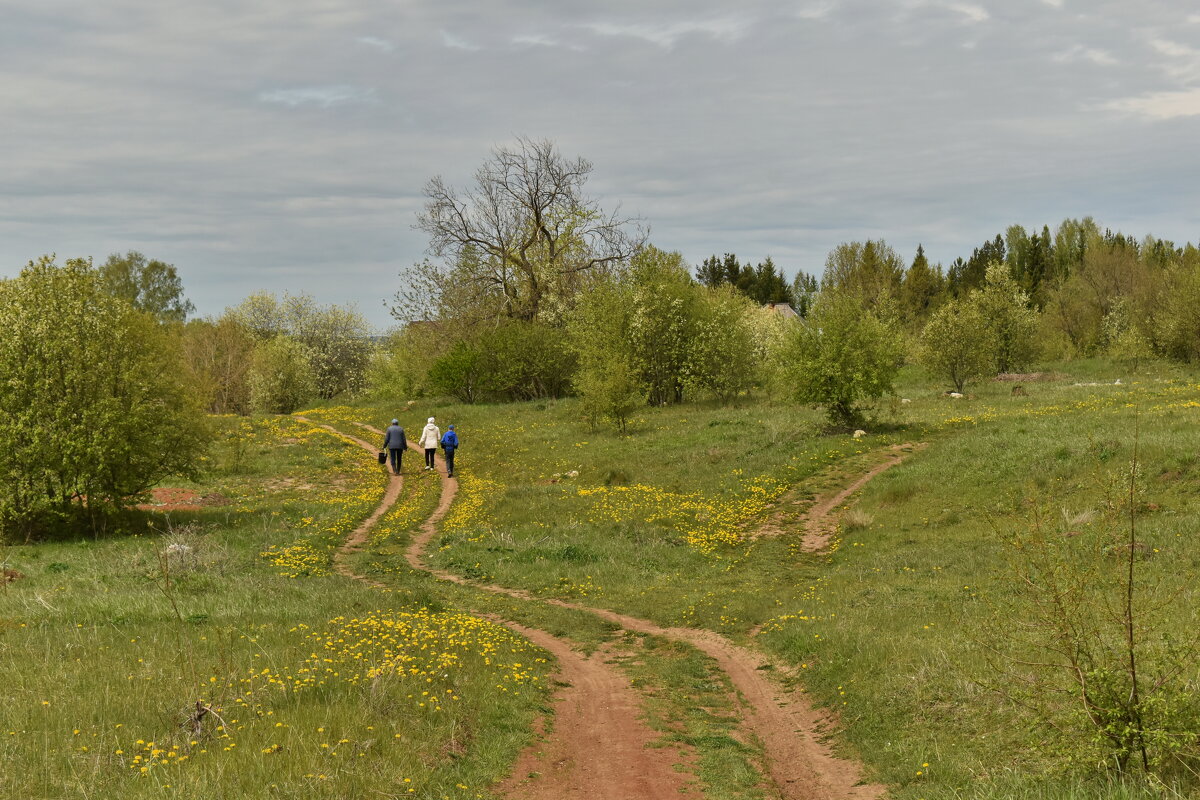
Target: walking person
x,y
429,440
395,443
449,445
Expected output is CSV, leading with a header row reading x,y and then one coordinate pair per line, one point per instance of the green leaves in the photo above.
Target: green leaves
x,y
93,409
957,344
845,353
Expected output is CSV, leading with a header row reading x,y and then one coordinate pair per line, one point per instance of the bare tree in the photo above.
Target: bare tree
x,y
520,241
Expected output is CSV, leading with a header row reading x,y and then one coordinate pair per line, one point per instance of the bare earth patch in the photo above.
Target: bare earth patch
x,y
169,498
1028,377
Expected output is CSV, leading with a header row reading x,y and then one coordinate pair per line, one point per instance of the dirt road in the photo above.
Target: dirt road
x,y
599,747
792,731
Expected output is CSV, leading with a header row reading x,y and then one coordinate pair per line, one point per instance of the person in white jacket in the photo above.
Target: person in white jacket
x,y
429,440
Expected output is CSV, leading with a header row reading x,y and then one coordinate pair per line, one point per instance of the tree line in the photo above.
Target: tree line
x,y
532,290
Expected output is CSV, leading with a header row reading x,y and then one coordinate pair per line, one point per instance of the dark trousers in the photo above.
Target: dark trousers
x,y
397,456
448,453
429,453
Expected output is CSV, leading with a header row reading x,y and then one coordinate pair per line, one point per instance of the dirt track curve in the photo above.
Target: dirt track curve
x,y
598,746
820,523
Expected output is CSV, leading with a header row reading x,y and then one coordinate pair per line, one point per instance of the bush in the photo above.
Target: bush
x,y
843,354
1179,337
527,361
610,392
219,356
401,366
513,361
336,338
1006,312
93,404
724,359
608,384
460,373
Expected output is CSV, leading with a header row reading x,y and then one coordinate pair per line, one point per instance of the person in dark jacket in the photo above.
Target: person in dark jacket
x,y
395,443
449,445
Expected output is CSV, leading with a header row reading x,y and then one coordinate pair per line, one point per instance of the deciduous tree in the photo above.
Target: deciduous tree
x,y
147,284
93,403
870,270
957,345
1006,312
846,352
336,338
218,357
525,236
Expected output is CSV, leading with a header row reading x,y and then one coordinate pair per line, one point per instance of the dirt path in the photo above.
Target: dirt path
x,y
792,731
820,522
599,746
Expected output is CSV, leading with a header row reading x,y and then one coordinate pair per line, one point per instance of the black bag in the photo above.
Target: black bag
x,y
382,457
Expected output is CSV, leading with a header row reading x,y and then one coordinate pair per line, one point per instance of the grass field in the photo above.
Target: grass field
x,y
321,680
321,687
884,629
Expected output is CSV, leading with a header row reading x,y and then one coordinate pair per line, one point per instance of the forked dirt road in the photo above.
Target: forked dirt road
x,y
598,746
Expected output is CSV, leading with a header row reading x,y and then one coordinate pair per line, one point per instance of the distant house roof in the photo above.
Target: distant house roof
x,y
782,309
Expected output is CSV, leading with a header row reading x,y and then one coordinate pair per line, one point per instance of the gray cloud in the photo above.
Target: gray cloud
x,y
283,145
379,44
324,96
457,42
666,33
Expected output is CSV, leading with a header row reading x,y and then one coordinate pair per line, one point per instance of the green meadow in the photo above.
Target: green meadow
x,y
910,627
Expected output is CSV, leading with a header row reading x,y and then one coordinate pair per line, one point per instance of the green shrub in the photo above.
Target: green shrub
x,y
94,407
843,354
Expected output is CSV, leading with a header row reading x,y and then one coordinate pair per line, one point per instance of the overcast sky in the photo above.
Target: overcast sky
x,y
282,145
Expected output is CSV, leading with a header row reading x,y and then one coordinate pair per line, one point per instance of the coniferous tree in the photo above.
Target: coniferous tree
x,y
804,292
763,284
920,289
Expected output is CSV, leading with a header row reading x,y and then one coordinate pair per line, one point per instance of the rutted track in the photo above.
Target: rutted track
x,y
792,731
599,746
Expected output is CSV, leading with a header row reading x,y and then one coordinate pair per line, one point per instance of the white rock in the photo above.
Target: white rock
x,y
956,395
859,434
905,400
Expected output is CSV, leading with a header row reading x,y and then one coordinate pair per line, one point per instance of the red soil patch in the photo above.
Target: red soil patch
x,y
170,498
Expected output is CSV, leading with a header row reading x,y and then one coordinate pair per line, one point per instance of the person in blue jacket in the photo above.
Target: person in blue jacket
x,y
449,445
395,443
